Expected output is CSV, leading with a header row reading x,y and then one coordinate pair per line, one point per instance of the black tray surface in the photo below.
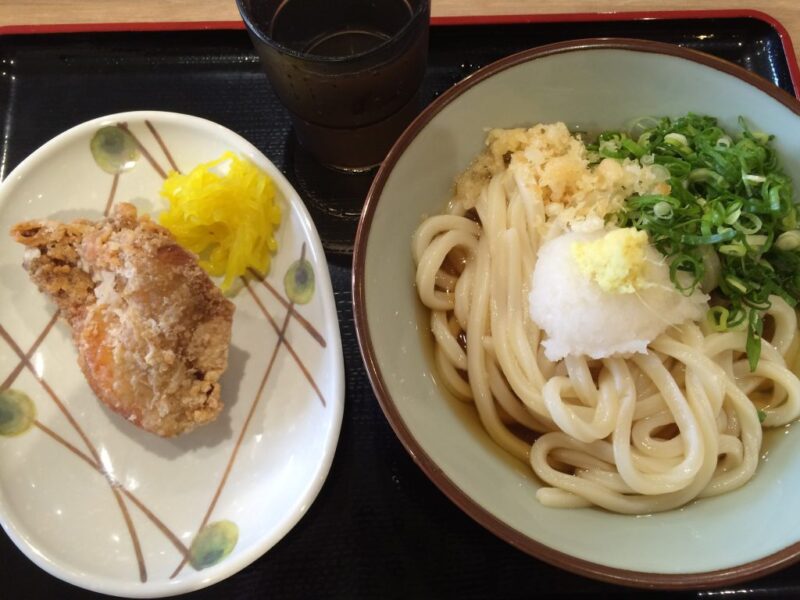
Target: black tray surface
x,y
379,528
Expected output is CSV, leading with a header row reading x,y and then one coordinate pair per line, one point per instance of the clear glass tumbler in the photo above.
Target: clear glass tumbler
x,y
348,71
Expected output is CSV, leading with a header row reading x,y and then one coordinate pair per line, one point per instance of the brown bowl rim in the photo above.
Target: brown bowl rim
x,y
640,579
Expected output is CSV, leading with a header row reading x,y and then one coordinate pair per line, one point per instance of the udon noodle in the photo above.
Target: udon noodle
x,y
637,433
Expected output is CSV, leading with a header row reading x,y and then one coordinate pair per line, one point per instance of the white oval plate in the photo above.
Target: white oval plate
x,y
106,506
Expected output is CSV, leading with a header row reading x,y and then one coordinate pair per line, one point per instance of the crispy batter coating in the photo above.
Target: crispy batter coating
x,y
151,328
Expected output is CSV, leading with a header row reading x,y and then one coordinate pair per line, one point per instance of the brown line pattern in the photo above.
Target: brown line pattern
x,y
18,369
21,365
137,547
161,143
111,194
125,515
26,361
116,487
179,545
288,345
68,445
264,310
306,372
139,504
238,444
144,151
300,318
280,341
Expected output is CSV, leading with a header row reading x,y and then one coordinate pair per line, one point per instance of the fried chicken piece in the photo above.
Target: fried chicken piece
x,y
151,329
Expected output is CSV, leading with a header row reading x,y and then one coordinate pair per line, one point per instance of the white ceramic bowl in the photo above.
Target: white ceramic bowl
x,y
591,84
106,506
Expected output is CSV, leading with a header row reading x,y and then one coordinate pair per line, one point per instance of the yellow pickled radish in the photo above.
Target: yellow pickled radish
x,y
225,212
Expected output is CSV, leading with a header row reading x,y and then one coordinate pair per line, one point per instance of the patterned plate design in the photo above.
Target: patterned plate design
x,y
106,506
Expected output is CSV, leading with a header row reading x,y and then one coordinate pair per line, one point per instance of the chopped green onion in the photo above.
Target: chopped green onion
x,y
688,264
642,126
756,241
707,175
788,240
610,149
729,199
734,212
722,236
736,283
723,143
737,319
737,249
754,178
663,210
711,268
790,220
718,318
766,265
774,200
676,139
751,223
660,172
753,345
761,136
632,147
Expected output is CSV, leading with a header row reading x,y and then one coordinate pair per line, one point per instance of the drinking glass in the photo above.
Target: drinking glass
x,y
348,71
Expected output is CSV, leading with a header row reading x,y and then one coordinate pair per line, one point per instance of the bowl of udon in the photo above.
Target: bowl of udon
x,y
575,281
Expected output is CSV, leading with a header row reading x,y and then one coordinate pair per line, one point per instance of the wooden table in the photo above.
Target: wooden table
x,y
27,12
